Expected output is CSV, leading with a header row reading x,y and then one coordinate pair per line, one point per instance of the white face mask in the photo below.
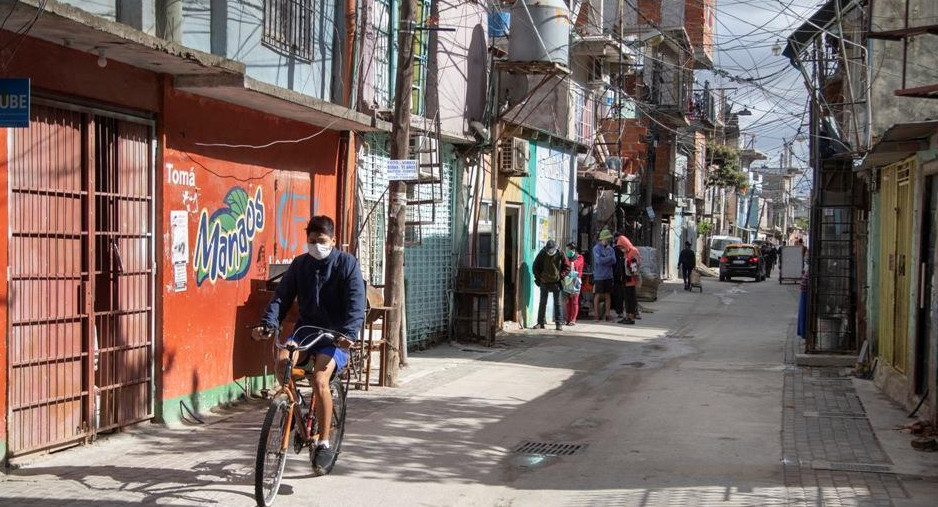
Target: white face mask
x,y
552,252
318,250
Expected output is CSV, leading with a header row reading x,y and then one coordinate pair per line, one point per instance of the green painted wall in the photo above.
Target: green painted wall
x,y
3,453
529,248
173,410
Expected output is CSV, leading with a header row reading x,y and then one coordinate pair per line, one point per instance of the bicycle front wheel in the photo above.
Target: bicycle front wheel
x,y
271,456
337,389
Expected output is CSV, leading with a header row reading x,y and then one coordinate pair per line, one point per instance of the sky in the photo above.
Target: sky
x,y
746,31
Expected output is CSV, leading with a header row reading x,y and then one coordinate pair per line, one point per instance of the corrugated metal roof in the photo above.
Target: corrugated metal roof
x,y
900,141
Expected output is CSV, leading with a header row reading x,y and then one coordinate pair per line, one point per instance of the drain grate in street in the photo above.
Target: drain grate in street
x,y
852,467
548,448
835,415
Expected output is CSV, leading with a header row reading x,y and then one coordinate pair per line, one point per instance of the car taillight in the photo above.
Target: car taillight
x,y
753,260
724,259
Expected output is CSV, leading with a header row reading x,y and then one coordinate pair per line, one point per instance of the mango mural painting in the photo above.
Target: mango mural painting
x,y
224,243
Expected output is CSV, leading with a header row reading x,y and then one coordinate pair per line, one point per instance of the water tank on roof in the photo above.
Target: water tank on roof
x,y
499,22
540,32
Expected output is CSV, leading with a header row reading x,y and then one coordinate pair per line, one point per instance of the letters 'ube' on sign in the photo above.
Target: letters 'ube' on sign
x,y
14,102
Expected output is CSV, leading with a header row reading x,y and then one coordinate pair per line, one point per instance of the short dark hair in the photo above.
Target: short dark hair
x,y
321,225
687,244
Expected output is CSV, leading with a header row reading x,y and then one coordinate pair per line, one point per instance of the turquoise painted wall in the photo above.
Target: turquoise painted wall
x,y
529,248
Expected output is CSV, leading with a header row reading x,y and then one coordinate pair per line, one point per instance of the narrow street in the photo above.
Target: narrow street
x,y
694,406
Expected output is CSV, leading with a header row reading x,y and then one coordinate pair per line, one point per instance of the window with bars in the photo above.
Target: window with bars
x,y
421,43
288,27
383,43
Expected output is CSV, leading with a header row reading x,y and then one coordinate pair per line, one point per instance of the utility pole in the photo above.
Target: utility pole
x,y
397,212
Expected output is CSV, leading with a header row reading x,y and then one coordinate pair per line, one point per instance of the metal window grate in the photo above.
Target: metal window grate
x,y
288,27
548,448
383,54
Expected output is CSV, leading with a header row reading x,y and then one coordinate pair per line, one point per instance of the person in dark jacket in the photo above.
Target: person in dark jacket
x,y
331,293
550,266
687,262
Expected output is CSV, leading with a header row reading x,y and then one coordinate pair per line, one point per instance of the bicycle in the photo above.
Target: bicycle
x,y
290,416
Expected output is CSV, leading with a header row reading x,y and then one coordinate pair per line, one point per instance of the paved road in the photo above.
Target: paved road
x,y
694,406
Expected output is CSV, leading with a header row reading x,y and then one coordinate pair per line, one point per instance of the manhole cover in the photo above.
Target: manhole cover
x,y
548,448
852,467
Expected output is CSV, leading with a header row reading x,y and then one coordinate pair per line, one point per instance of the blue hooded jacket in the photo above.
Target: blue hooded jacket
x,y
604,261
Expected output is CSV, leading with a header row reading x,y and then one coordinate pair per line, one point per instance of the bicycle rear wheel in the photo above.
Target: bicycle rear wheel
x,y
271,457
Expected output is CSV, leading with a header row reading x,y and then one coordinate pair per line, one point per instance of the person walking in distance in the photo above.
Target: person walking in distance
x,y
572,283
549,269
604,260
632,269
687,262
770,253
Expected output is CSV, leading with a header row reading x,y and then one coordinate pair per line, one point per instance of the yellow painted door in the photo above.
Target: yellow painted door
x,y
887,261
904,266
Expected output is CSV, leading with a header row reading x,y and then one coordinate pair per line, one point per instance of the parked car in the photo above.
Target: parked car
x,y
716,246
741,259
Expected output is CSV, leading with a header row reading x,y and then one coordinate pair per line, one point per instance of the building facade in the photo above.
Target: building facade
x,y
173,154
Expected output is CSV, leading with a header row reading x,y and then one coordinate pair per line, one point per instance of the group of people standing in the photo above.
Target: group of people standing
x,y
616,276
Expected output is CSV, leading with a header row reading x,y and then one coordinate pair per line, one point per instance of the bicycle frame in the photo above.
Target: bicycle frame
x,y
288,387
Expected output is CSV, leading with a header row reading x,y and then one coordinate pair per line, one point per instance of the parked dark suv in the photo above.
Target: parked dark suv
x,y
742,260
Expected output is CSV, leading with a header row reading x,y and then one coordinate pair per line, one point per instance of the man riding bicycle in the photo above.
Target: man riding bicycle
x,y
330,291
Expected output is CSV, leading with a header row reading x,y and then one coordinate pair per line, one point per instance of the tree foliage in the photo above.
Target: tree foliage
x,y
724,169
704,227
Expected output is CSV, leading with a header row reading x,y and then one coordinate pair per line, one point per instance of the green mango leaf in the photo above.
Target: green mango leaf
x,y
237,201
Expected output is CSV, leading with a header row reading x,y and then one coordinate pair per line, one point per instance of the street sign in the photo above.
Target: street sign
x,y
14,102
651,212
402,170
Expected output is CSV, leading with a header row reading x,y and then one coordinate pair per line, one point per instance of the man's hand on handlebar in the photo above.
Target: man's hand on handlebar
x,y
343,342
262,332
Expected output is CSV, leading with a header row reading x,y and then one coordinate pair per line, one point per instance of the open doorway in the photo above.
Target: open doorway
x,y
926,329
511,261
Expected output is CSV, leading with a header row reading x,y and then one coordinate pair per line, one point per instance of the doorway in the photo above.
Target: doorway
x,y
927,328
81,276
511,262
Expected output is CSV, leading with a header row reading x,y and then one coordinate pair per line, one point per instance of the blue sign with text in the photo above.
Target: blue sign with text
x,y
14,102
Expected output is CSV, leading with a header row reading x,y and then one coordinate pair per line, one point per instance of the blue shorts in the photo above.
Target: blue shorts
x,y
339,355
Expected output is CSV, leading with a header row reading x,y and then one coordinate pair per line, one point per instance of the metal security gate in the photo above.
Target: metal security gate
x,y
896,268
81,276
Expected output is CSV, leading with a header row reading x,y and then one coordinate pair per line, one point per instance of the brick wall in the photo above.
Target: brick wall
x,y
649,10
662,179
698,22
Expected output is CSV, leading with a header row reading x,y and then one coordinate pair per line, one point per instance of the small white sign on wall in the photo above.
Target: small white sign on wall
x,y
179,241
402,170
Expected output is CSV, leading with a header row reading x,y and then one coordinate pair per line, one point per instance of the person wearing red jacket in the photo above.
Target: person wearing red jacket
x,y
572,290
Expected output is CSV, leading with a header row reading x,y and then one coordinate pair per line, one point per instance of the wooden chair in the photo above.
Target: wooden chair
x,y
375,317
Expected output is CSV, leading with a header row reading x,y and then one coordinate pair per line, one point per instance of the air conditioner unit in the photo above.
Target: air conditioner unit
x,y
690,206
422,149
514,154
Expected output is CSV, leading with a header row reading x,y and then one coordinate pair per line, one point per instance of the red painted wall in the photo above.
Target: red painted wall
x,y
72,73
205,340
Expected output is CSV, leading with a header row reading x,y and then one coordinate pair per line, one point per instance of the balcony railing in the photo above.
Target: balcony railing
x,y
705,107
